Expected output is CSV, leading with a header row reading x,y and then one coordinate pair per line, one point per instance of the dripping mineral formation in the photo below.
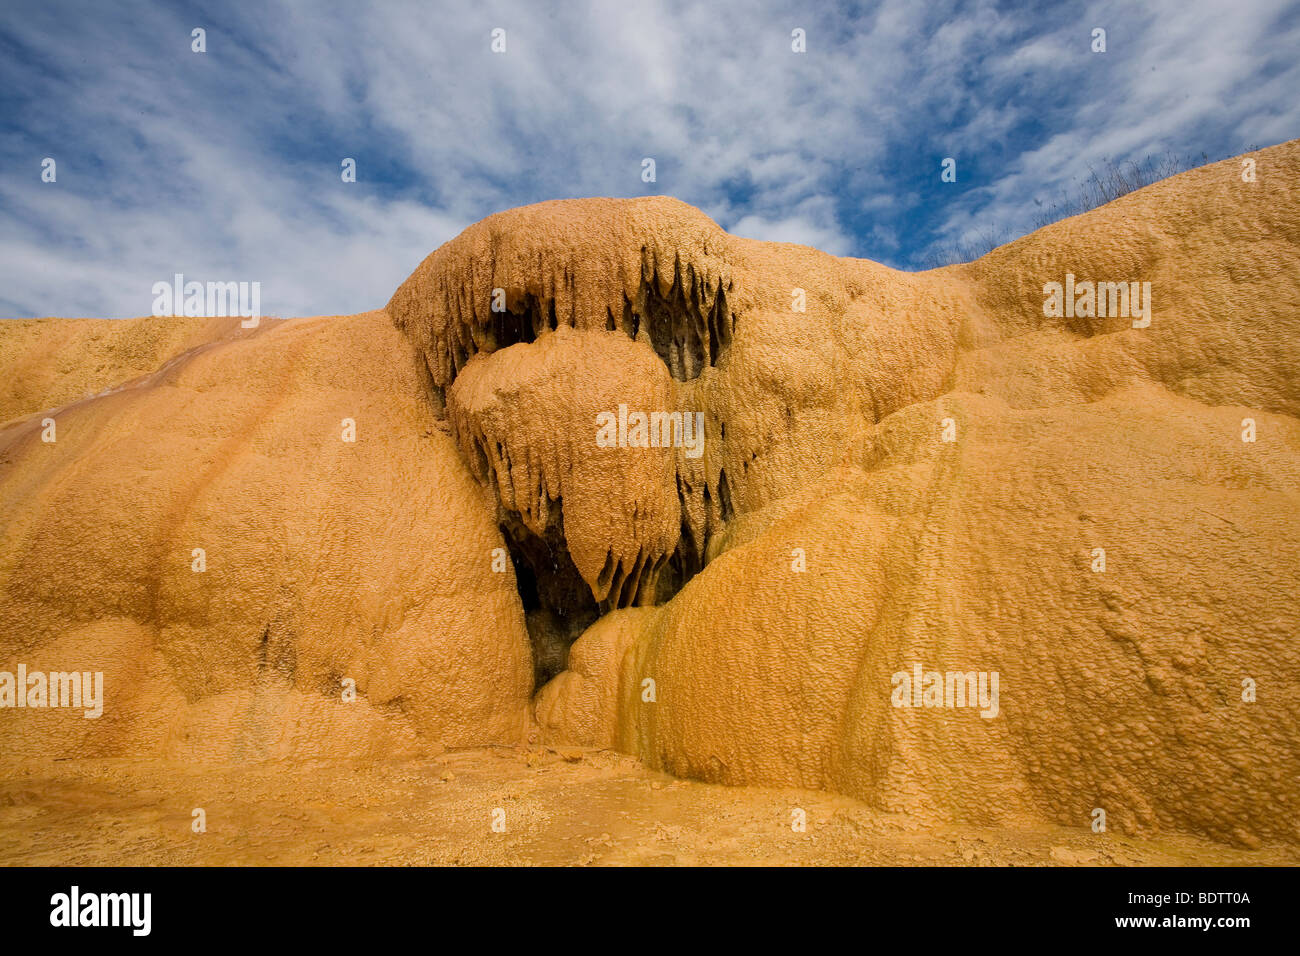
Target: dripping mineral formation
x,y
916,471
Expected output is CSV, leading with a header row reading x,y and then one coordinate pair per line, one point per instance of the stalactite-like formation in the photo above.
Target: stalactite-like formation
x,y
525,418
919,474
654,278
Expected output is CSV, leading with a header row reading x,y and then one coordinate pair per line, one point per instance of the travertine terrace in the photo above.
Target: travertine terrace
x,y
914,470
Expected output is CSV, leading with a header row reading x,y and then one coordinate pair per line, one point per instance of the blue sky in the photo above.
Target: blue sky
x,y
225,165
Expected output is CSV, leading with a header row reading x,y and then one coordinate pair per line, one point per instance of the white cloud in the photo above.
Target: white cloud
x,y
800,231
1178,76
226,164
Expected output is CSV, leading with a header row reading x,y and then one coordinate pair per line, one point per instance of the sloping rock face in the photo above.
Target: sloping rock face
x,y
49,363
210,541
945,544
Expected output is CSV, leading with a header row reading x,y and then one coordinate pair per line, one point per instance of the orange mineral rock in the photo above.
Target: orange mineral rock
x,y
909,494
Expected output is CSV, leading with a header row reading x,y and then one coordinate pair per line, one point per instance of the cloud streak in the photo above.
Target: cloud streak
x,y
225,165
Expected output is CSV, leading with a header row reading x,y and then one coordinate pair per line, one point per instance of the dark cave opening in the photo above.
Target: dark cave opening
x,y
688,337
558,605
683,336
522,323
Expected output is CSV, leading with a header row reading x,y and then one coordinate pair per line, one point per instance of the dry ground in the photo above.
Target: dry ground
x,y
562,807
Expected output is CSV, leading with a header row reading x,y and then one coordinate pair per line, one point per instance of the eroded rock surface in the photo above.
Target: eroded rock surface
x,y
323,560
898,471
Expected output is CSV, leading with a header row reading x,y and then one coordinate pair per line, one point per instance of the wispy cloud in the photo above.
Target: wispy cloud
x,y
225,164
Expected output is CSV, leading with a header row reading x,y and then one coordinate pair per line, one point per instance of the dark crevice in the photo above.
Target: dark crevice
x,y
277,651
607,571
686,334
682,334
558,605
516,325
724,495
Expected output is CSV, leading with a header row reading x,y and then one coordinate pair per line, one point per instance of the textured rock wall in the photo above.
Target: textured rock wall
x,y
913,471
325,560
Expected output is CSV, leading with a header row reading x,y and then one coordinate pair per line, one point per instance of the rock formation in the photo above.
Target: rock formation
x,y
901,474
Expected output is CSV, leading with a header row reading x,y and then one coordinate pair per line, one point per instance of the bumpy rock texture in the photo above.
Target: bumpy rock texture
x,y
324,560
913,470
